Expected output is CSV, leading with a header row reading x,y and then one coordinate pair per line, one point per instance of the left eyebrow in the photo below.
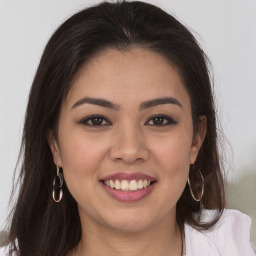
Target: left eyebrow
x,y
159,101
144,105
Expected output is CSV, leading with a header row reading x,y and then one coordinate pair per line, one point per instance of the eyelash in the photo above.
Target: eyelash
x,y
170,121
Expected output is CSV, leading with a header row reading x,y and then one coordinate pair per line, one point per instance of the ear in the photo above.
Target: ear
x,y
55,149
198,138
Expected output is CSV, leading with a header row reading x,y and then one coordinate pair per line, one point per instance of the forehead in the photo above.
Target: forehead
x,y
133,75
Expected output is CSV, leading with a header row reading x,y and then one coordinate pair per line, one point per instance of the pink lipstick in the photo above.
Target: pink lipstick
x,y
128,187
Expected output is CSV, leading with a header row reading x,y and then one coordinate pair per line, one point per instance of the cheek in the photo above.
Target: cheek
x,y
173,158
81,157
173,152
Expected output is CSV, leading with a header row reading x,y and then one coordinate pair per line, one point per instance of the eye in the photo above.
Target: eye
x,y
161,120
98,120
95,120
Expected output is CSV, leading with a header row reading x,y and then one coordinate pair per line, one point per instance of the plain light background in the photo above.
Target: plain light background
x,y
225,29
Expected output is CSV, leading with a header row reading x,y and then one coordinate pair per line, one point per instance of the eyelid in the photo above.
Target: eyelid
x,y
84,121
170,120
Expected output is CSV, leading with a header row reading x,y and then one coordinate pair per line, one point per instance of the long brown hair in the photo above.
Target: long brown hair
x,y
39,225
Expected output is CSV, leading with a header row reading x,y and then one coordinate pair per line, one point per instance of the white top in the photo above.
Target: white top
x,y
229,237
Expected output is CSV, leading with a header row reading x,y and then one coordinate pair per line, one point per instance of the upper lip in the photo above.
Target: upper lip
x,y
129,176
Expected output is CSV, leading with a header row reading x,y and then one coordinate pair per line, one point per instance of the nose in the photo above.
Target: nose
x,y
129,146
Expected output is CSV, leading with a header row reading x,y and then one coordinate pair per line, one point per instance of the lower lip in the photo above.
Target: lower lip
x,y
125,196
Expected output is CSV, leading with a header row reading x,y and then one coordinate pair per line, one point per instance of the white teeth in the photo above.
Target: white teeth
x,y
140,184
126,185
133,185
106,182
112,184
117,184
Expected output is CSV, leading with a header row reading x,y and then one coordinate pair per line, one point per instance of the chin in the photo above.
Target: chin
x,y
129,221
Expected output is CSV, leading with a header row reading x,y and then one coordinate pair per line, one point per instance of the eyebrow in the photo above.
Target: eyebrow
x,y
144,105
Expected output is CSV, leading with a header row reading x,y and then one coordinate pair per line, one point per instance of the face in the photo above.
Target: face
x,y
125,139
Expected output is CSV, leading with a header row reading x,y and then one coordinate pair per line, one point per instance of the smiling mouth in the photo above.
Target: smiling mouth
x,y
128,185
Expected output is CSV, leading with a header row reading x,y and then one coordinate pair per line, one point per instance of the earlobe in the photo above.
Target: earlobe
x,y
55,149
198,138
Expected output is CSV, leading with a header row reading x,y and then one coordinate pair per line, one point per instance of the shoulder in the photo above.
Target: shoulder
x,y
230,235
4,251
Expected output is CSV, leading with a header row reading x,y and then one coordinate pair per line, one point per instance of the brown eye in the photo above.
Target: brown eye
x,y
161,120
158,120
94,120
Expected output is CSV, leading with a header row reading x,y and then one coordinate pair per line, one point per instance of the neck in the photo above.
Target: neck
x,y
163,239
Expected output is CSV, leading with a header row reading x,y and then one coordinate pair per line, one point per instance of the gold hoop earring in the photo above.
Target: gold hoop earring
x,y
57,185
202,186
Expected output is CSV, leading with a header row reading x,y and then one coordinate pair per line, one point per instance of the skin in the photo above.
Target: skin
x,y
129,141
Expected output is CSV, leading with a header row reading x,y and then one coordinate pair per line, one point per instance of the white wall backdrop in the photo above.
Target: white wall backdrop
x,y
225,29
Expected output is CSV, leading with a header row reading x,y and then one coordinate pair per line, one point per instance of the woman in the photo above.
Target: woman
x,y
120,152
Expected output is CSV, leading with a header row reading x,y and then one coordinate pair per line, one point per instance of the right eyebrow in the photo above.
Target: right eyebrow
x,y
97,101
